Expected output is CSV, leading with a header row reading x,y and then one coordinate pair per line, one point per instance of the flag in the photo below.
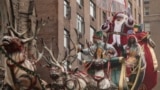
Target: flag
x,y
113,5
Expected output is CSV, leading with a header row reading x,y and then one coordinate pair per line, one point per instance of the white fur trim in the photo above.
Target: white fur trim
x,y
121,15
108,26
128,25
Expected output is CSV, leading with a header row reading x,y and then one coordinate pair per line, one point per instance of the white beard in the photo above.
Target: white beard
x,y
117,28
118,25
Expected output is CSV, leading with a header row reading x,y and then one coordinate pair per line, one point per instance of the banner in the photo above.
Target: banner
x,y
113,5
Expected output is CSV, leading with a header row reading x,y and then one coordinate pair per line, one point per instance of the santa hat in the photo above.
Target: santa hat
x,y
132,36
98,35
120,15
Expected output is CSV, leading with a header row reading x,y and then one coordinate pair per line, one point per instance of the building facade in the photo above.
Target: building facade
x,y
83,16
152,24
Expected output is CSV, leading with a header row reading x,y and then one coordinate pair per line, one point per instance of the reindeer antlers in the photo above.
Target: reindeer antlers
x,y
40,54
51,59
15,32
20,35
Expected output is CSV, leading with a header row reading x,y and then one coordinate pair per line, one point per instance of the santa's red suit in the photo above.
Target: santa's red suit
x,y
150,79
117,30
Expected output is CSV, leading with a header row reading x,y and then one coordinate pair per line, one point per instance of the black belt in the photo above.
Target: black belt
x,y
118,33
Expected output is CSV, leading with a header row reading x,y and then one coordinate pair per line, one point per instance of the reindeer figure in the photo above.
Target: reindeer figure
x,y
15,77
63,77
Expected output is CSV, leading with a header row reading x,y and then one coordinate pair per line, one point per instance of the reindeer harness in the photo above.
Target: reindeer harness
x,y
22,68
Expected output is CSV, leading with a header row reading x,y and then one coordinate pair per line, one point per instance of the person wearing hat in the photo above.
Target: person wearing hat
x,y
134,56
144,39
98,55
137,29
98,43
150,79
117,30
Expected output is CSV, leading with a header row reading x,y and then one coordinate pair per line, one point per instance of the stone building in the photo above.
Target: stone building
x,y
152,24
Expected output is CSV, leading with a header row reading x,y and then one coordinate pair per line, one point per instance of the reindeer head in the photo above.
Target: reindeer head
x,y
58,67
56,72
14,41
12,44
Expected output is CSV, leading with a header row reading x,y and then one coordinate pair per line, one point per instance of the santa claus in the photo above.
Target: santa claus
x,y
117,30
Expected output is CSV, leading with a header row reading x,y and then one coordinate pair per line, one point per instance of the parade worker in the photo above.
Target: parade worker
x,y
104,56
99,44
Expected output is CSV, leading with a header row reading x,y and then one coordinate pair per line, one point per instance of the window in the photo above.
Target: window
x,y
139,18
80,25
104,17
146,1
92,9
91,33
66,39
147,26
80,2
80,54
146,11
135,13
129,8
0,23
139,2
66,9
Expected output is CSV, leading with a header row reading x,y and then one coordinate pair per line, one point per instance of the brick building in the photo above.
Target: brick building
x,y
152,24
68,16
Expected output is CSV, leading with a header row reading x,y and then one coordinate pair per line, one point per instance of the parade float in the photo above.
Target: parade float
x,y
120,57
